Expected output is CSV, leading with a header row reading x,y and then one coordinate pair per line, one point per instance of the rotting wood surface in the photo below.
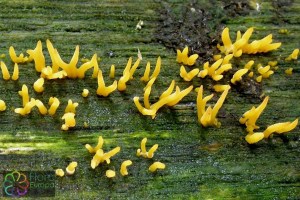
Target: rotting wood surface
x,y
202,163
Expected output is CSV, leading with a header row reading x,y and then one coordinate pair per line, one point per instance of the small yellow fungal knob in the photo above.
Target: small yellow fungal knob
x,y
252,138
293,55
182,57
124,166
112,71
71,107
2,105
70,169
110,173
156,165
85,92
15,75
38,85
59,172
289,71
146,77
70,121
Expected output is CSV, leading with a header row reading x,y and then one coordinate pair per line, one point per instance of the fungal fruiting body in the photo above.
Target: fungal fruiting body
x,y
15,75
71,107
42,108
100,156
102,89
216,70
54,103
237,76
38,57
280,128
112,71
39,85
70,121
17,59
143,152
208,117
250,117
97,147
182,57
70,169
110,173
127,74
59,172
221,88
289,71
2,105
146,76
293,55
188,76
85,92
124,166
5,73
156,165
241,44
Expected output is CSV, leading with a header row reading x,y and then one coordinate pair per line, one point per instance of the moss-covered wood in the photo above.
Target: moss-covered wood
x,y
202,163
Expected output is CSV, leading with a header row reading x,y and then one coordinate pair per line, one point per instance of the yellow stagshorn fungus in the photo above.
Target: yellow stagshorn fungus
x,y
216,69
156,165
70,169
59,172
97,147
280,128
38,85
250,117
53,103
124,165
252,138
5,73
293,55
15,58
27,105
112,71
102,90
182,57
249,64
156,70
15,75
38,57
2,105
88,65
146,76
110,173
188,76
85,93
241,44
289,71
100,156
237,76
126,76
221,88
42,108
208,117
143,152
71,107
70,121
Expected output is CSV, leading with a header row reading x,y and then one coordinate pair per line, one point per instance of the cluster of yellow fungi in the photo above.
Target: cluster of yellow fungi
x,y
251,116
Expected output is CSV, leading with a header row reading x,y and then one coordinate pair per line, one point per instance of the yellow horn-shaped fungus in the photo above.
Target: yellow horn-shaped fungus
x,y
71,107
15,58
38,85
146,77
188,76
15,75
102,89
38,57
59,172
124,166
69,121
70,169
86,66
97,147
5,73
156,165
2,105
42,108
252,138
54,103
237,76
280,128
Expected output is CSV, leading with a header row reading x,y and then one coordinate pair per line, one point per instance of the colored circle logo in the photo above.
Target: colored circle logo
x,y
15,184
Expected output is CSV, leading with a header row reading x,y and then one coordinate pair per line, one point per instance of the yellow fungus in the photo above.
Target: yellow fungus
x,y
97,147
272,63
126,75
124,166
217,57
168,91
280,128
85,92
71,107
188,76
38,57
249,64
156,165
70,121
5,73
27,108
70,169
86,66
112,71
251,74
182,57
146,77
15,75
2,105
293,55
38,85
42,108
222,68
289,71
15,58
143,151
263,70
59,172
54,103
252,138
24,94
221,88
110,173
227,58
201,102
102,90
203,73
100,156
259,79
267,74
141,109
157,68
237,76
147,92
179,95
134,67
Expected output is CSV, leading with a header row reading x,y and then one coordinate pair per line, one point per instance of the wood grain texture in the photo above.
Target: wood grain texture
x,y
202,163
